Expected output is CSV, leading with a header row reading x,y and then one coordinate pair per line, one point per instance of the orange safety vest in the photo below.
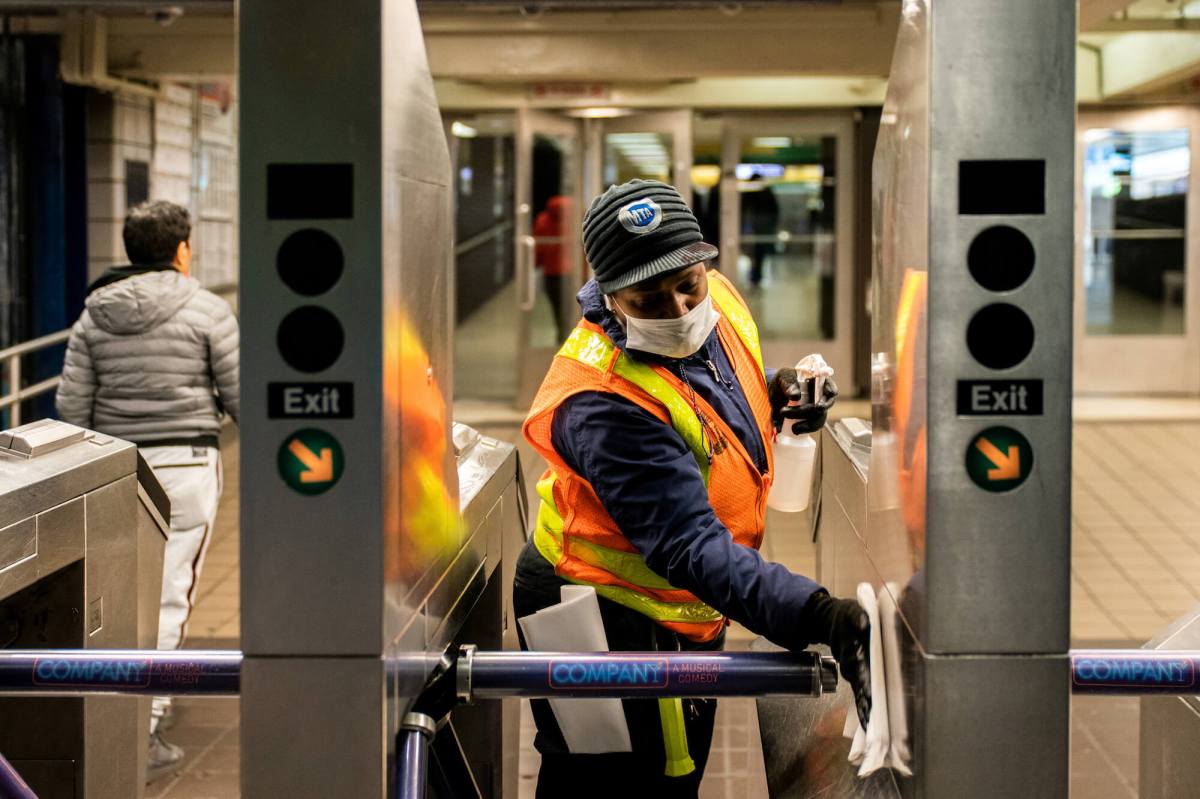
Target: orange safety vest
x,y
575,532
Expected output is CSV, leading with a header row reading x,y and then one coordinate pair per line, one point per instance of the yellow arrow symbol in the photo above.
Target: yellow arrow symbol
x,y
320,469
1008,467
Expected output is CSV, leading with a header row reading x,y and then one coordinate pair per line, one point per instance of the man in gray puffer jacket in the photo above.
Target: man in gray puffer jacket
x,y
154,360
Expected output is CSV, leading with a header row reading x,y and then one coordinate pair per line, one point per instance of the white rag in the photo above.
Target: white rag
x,y
589,726
885,741
869,750
898,755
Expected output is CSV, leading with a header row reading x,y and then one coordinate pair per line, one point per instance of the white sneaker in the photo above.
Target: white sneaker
x,y
163,758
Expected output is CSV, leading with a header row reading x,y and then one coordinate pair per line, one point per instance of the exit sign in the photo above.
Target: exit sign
x,y
999,397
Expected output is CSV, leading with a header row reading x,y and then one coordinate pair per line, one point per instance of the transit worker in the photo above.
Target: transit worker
x,y
153,359
657,419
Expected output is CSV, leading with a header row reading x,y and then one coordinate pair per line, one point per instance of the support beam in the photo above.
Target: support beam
x,y
1143,62
712,93
658,46
190,48
1093,13
1146,25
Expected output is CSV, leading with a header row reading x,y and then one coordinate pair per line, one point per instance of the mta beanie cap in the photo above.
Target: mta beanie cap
x,y
638,230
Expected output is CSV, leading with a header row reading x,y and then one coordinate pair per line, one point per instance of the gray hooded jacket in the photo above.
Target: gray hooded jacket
x,y
153,357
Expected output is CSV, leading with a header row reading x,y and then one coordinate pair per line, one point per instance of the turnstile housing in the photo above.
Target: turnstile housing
x,y
77,519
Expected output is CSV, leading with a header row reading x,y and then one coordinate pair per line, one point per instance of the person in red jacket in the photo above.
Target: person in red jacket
x,y
554,260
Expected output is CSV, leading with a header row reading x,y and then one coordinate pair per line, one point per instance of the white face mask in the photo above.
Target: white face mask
x,y
674,338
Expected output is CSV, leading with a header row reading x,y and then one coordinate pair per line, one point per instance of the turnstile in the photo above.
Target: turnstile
x,y
1168,767
80,513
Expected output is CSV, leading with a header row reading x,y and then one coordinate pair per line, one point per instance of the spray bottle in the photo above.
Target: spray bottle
x,y
796,455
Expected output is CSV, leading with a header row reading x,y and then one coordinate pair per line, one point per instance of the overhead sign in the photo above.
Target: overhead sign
x,y
310,461
999,397
999,459
570,91
310,400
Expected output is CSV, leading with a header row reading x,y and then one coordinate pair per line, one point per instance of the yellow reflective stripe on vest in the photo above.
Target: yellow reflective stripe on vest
x,y
683,415
743,323
597,350
549,543
679,760
588,347
629,566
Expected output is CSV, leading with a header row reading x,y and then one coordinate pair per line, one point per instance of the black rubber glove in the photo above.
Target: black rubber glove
x,y
808,417
845,627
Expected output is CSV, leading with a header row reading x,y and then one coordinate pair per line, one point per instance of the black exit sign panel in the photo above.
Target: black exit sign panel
x,y
999,397
310,400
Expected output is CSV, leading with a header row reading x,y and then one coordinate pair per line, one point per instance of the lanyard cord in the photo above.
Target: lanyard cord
x,y
713,440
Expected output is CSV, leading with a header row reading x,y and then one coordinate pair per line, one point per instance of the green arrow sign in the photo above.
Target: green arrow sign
x,y
999,459
310,461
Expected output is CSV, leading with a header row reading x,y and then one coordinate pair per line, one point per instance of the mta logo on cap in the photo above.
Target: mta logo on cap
x,y
640,216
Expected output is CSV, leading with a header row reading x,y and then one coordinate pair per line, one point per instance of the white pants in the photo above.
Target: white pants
x,y
192,478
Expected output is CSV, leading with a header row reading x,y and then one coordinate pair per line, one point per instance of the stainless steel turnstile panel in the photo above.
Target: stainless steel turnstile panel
x,y
984,575
1002,86
379,565
77,522
1168,766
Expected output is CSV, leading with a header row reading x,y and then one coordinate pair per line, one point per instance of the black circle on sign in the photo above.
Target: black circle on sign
x,y
1001,258
310,261
1000,336
310,339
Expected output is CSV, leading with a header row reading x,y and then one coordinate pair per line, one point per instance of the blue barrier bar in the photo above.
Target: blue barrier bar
x,y
11,784
412,755
119,671
493,675
1134,671
490,675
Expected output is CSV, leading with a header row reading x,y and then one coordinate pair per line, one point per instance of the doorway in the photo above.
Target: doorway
x,y
786,221
774,192
1136,328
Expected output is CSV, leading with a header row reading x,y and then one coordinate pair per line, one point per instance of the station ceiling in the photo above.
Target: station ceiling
x,y
702,52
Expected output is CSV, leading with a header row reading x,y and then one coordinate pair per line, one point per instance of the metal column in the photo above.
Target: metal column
x,y
349,498
970,472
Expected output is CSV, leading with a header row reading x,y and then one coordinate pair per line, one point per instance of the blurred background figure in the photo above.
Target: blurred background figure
x,y
554,262
760,221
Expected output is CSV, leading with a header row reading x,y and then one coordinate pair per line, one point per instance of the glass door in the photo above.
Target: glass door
x,y
487,342
546,246
652,146
1135,310
786,220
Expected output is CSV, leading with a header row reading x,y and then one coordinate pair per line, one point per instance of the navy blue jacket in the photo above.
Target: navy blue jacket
x,y
649,482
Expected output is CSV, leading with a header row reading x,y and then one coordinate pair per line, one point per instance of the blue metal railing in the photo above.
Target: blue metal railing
x,y
494,675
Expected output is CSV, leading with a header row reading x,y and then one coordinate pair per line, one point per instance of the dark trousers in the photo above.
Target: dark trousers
x,y
555,287
757,258
628,774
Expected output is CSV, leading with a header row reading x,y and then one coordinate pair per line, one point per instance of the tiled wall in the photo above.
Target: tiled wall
x,y
190,146
215,195
172,177
119,130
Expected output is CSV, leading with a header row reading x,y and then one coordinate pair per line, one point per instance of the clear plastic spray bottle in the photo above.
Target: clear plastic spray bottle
x,y
796,455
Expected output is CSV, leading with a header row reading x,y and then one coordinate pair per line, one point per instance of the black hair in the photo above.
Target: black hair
x,y
153,231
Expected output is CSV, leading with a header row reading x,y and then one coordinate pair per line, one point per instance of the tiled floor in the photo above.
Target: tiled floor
x,y
1135,548
1136,554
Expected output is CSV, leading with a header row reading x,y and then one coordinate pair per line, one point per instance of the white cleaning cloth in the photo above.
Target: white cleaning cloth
x,y
870,748
589,726
898,754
